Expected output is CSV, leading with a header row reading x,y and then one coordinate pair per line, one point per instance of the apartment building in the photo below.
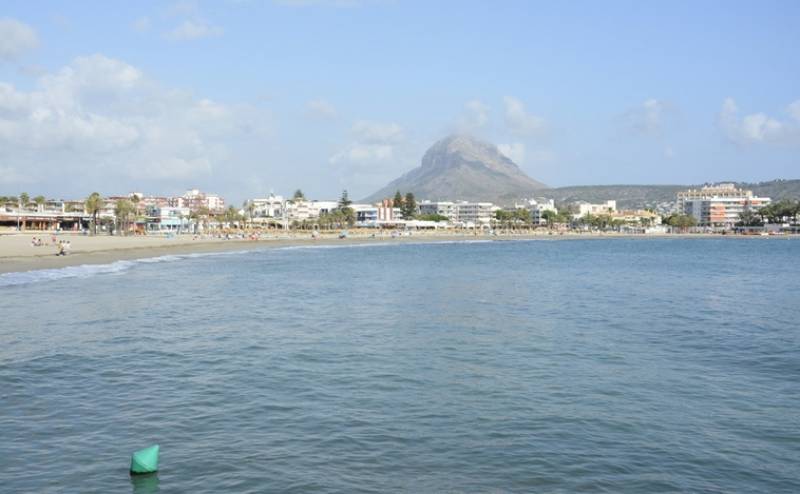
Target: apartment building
x,y
718,205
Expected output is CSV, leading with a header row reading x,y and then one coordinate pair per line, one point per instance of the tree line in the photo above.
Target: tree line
x,y
783,211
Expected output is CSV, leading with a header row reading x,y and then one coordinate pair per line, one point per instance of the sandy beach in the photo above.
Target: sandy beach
x,y
18,254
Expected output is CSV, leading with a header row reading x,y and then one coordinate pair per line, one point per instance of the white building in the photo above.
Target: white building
x,y
472,214
537,207
585,208
269,207
718,205
168,219
303,210
195,200
443,208
366,214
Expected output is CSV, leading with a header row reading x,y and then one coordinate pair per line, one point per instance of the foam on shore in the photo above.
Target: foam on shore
x,y
89,270
121,266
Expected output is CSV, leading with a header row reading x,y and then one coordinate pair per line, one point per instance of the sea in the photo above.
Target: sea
x,y
582,365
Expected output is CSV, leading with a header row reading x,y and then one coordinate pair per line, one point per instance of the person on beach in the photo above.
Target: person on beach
x,y
60,249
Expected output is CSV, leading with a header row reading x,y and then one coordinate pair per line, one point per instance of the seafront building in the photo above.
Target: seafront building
x,y
442,208
271,206
162,219
537,206
462,213
637,217
306,210
718,205
586,208
196,201
151,213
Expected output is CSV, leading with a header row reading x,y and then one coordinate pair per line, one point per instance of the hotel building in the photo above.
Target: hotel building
x,y
718,205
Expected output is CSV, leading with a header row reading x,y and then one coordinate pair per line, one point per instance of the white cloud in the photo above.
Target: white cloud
x,y
16,38
319,108
794,110
183,8
475,116
373,144
141,24
753,128
190,30
519,121
101,119
377,132
515,151
648,118
360,153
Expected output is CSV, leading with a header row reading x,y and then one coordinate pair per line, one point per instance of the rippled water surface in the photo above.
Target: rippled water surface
x,y
664,365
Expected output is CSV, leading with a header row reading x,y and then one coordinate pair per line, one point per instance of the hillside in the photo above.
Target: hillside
x,y
462,167
640,196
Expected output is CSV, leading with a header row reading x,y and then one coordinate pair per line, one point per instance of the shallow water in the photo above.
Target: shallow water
x,y
663,365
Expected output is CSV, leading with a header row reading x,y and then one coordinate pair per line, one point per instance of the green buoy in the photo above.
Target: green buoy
x,y
145,460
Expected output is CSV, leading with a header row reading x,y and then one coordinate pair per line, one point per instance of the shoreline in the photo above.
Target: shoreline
x,y
17,255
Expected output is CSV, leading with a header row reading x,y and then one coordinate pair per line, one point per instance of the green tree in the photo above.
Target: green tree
x,y
201,216
749,218
433,217
397,202
250,207
564,216
298,195
39,200
231,215
409,208
93,204
344,215
124,210
682,221
522,216
24,199
549,217
344,201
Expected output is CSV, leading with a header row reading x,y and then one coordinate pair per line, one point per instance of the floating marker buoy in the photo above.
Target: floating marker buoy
x,y
145,460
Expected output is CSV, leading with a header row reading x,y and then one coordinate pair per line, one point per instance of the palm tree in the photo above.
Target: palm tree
x,y
135,199
94,203
24,198
39,200
123,211
250,208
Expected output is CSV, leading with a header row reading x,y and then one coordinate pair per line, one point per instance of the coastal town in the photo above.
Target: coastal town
x,y
717,208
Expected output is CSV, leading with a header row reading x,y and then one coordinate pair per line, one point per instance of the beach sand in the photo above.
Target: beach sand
x,y
17,253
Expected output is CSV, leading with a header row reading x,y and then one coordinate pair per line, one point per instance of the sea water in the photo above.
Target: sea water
x,y
663,365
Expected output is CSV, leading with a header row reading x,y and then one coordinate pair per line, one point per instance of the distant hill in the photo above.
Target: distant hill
x,y
463,167
640,196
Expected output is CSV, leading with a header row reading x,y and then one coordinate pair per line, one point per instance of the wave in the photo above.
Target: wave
x,y
118,267
89,270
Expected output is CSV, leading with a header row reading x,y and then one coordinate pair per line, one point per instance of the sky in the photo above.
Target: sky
x,y
244,98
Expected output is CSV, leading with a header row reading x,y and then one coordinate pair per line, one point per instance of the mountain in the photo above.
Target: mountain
x,y
463,167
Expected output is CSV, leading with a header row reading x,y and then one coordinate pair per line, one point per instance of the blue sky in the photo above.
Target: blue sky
x,y
246,97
